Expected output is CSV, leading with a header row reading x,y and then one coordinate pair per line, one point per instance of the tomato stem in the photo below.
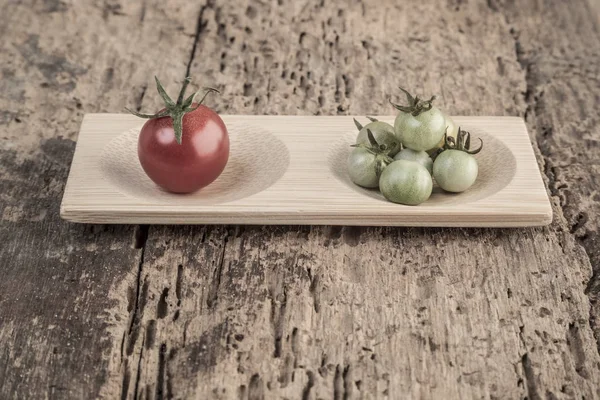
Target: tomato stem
x,y
186,82
462,142
176,110
415,106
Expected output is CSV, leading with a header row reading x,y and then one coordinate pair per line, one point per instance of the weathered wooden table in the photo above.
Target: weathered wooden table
x,y
298,312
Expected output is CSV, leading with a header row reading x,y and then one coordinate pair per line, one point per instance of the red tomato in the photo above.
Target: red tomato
x,y
191,165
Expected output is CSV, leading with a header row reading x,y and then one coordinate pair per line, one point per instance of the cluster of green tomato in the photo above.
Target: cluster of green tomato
x,y
402,160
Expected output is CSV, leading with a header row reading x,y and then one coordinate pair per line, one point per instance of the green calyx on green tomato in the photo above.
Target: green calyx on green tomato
x,y
455,169
382,132
366,162
420,125
406,182
451,131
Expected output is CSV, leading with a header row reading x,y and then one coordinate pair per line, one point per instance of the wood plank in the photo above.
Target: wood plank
x,y
287,311
276,175
58,60
366,312
563,92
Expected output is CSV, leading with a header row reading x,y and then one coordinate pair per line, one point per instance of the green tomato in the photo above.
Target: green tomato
x,y
420,157
383,134
421,132
362,167
455,170
406,182
452,131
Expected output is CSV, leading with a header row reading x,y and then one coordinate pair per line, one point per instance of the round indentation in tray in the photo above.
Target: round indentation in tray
x,y
497,167
257,159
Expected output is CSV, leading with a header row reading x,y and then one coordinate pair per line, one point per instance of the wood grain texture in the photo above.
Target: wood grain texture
x,y
297,312
562,95
276,175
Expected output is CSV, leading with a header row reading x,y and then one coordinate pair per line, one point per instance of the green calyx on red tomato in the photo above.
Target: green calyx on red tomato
x,y
175,110
185,146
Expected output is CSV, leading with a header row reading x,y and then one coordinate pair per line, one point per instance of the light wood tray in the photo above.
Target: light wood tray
x,y
292,170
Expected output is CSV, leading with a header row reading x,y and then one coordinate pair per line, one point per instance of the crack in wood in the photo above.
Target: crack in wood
x,y
160,379
286,371
256,388
338,383
125,380
200,27
532,393
169,376
575,345
184,334
139,372
278,309
150,334
162,308
138,305
342,383
132,333
140,234
123,343
323,367
315,291
143,11
140,100
309,385
295,346
215,284
529,373
242,395
348,383
178,284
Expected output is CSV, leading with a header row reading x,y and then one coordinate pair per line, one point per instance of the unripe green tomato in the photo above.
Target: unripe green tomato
x,y
421,132
420,157
362,168
452,131
455,170
406,182
383,134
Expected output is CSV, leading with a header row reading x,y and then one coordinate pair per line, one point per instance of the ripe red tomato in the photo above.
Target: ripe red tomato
x,y
185,146
191,165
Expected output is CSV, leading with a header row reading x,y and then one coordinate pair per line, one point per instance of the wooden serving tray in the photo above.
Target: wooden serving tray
x,y
292,170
